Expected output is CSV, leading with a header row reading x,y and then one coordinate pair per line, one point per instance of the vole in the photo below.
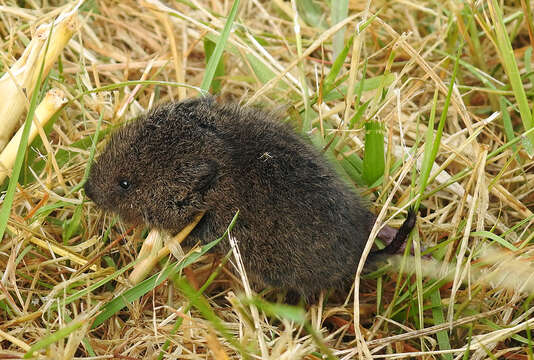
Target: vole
x,y
300,227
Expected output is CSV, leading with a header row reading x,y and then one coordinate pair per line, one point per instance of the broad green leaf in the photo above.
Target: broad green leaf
x,y
263,73
373,159
311,13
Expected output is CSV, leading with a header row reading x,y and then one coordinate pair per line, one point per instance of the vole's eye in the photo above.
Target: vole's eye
x,y
125,184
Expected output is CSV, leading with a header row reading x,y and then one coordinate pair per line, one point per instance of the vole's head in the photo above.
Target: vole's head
x,y
161,168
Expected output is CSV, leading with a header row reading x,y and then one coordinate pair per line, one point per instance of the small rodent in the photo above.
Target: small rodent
x,y
299,228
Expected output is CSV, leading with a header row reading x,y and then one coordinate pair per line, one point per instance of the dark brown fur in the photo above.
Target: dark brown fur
x,y
300,227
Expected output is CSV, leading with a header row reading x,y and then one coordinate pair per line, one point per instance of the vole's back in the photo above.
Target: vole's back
x,y
300,227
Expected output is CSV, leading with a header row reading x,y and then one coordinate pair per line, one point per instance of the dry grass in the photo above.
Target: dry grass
x,y
62,260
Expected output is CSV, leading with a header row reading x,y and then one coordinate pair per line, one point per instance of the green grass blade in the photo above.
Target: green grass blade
x,y
439,318
293,313
496,238
528,65
329,80
506,53
85,340
21,151
282,311
435,139
79,294
55,337
180,320
213,62
92,152
209,47
201,304
468,347
373,159
306,124
72,226
123,84
530,344
147,285
47,209
339,11
355,120
339,92
426,166
507,122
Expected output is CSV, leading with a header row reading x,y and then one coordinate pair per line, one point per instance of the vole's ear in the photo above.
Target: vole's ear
x,y
206,173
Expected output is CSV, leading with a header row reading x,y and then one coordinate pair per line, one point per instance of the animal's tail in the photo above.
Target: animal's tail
x,y
401,236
